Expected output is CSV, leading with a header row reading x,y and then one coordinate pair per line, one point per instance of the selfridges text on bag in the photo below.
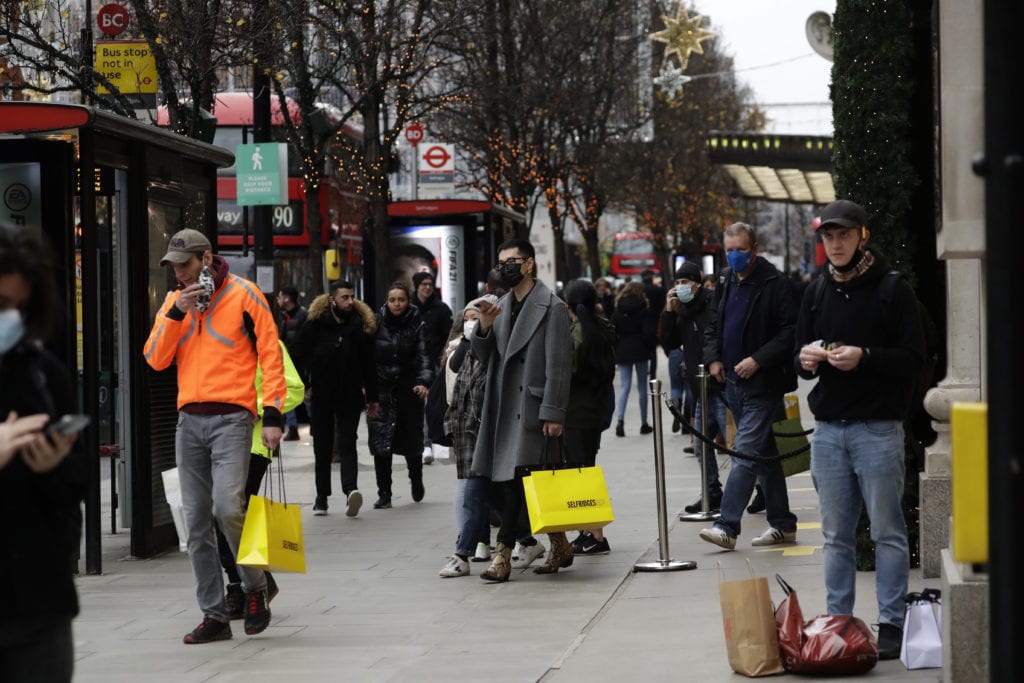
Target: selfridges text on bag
x,y
272,533
922,630
826,644
566,497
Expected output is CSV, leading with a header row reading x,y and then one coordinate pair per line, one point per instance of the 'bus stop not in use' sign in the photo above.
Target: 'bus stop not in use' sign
x,y
262,174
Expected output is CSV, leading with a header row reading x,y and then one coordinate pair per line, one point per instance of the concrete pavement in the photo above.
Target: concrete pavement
x,y
372,607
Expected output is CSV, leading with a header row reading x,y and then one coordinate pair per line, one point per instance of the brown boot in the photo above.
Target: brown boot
x,y
560,556
501,565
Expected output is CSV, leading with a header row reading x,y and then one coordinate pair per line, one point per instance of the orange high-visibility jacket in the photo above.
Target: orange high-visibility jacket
x,y
215,356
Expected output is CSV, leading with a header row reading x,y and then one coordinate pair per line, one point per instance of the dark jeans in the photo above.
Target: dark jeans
x,y
326,417
257,469
754,417
581,446
476,528
382,468
515,524
36,649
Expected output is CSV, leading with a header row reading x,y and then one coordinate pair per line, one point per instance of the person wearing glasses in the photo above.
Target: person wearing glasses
x,y
524,340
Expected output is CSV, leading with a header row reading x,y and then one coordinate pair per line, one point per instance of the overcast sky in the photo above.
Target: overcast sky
x,y
768,42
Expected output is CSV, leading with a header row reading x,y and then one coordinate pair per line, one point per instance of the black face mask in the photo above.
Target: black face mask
x,y
511,274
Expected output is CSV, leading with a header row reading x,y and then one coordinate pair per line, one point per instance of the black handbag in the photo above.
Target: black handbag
x,y
437,406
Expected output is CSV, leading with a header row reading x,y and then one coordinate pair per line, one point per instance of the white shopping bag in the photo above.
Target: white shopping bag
x,y
922,633
172,491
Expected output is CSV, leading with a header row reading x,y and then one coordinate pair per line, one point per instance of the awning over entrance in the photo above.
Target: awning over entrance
x,y
781,168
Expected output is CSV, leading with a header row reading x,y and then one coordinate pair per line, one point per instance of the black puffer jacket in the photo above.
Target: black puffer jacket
x,y
289,324
41,512
635,328
686,329
437,318
337,357
400,349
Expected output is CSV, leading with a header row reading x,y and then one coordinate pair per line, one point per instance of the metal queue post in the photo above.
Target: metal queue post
x,y
705,515
664,563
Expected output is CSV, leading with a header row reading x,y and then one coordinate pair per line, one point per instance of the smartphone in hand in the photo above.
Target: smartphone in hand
x,y
68,425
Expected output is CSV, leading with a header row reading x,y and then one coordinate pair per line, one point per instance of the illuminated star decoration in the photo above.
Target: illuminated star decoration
x,y
682,36
671,80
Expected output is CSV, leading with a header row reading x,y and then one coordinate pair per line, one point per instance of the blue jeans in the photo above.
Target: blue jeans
x,y
291,420
626,380
675,376
754,416
476,525
212,454
715,426
850,462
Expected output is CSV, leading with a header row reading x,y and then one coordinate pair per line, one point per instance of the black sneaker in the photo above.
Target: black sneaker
x,y
890,639
620,429
646,428
594,547
715,500
417,490
234,601
757,505
320,506
257,613
208,631
383,503
292,435
584,537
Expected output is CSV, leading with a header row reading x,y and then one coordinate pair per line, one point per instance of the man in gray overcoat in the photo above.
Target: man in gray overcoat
x,y
524,340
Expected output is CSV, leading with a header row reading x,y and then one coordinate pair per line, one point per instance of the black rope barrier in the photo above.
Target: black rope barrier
x,y
687,428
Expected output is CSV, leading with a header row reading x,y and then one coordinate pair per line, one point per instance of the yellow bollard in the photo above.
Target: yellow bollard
x,y
969,453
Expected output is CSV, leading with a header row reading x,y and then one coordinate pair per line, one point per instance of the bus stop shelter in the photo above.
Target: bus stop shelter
x,y
108,192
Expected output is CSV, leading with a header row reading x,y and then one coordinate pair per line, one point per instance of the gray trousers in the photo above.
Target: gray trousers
x,y
212,453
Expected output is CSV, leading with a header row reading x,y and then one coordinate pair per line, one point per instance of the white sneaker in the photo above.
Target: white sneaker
x,y
441,453
516,550
353,503
718,537
483,553
529,553
773,536
456,567
428,455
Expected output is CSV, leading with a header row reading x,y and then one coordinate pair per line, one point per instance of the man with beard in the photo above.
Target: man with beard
x,y
334,349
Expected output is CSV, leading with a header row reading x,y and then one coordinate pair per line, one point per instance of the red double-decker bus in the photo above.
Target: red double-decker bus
x,y
342,209
633,253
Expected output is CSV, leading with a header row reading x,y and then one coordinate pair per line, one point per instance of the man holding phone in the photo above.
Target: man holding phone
x,y
217,327
859,334
524,341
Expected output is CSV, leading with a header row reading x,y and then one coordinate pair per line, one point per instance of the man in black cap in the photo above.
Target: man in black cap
x,y
860,335
688,307
437,319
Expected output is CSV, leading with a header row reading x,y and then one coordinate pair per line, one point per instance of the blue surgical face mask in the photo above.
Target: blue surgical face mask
x,y
685,293
12,329
738,260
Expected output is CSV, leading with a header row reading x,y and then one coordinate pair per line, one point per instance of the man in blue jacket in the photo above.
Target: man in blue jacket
x,y
860,335
748,348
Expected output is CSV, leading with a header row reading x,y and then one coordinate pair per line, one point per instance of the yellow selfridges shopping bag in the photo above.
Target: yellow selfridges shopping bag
x,y
567,499
272,537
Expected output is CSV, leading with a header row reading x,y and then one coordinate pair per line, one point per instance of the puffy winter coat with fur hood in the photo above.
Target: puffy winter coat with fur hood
x,y
336,355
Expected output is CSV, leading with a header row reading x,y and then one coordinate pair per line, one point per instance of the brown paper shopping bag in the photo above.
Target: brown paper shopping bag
x,y
749,621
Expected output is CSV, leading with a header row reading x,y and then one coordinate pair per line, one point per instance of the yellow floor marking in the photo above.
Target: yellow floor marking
x,y
808,525
793,550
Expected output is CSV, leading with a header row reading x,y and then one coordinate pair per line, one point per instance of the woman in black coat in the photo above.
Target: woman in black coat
x,y
42,478
404,371
636,330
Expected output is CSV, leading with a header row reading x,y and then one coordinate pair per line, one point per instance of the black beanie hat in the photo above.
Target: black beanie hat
x,y
689,271
418,278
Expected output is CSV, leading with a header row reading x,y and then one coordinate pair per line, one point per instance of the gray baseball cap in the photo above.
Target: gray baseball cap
x,y
183,245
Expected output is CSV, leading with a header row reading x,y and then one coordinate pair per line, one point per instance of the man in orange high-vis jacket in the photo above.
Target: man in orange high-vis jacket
x,y
217,327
